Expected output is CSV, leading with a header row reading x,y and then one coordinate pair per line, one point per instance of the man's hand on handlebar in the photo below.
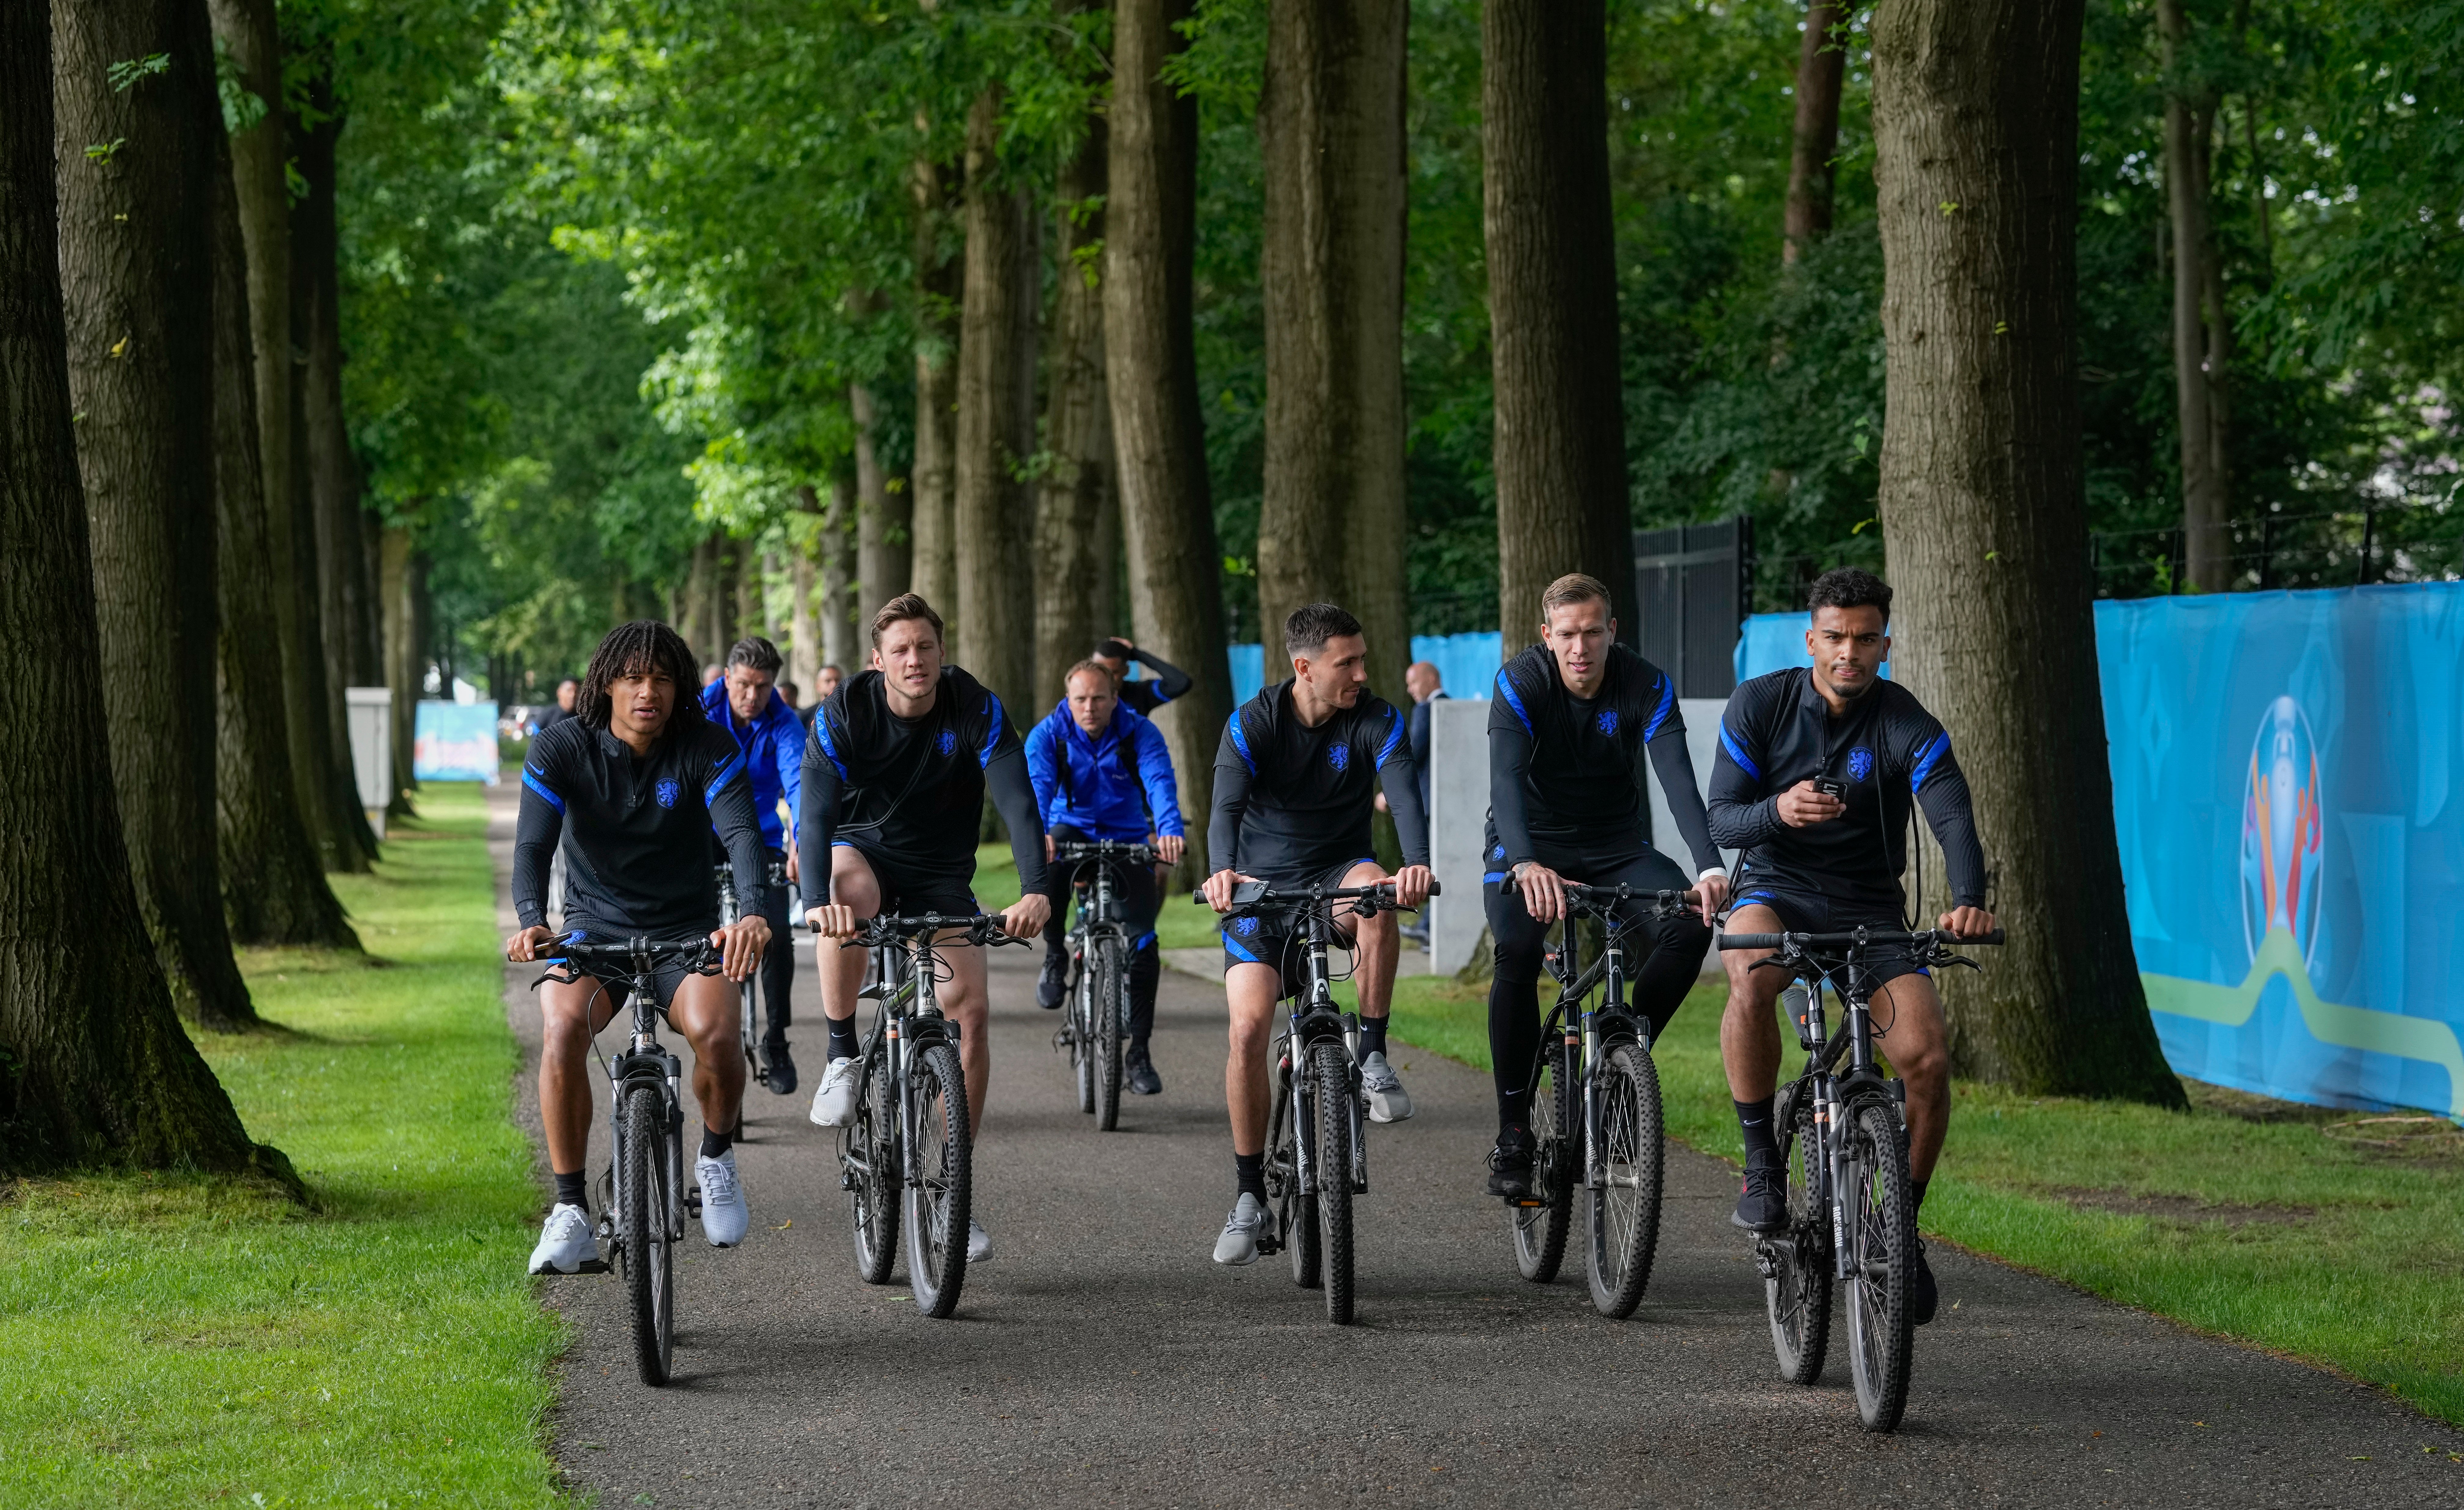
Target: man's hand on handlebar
x,y
1966,922
1025,918
741,946
1167,847
1802,806
1412,884
1218,888
833,919
1544,891
1709,894
522,949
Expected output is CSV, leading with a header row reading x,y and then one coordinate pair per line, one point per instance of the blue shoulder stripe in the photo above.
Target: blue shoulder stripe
x,y
1241,742
1659,715
1737,752
1927,758
537,785
1513,699
992,729
1394,736
726,773
830,746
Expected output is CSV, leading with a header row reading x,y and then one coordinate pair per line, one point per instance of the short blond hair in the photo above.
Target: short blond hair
x,y
1573,587
1091,663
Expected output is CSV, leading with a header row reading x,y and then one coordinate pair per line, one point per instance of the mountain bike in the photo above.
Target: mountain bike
x,y
1843,1144
643,1198
1317,1156
1596,1111
756,1067
1099,978
905,1159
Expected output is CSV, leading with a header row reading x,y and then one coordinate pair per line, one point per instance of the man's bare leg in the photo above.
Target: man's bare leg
x,y
570,1014
965,1000
1381,946
841,970
1908,1032
1750,1028
1250,992
705,1011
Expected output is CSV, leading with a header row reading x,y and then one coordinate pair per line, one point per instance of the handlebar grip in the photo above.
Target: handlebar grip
x,y
1996,937
1750,941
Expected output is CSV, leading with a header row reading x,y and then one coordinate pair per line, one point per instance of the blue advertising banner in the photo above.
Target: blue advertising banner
x,y
454,741
1467,666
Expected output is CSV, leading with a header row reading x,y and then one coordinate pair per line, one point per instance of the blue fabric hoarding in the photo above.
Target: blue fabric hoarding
x,y
1467,666
454,741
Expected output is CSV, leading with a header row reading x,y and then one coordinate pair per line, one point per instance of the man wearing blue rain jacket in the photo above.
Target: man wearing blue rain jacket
x,y
746,704
1101,771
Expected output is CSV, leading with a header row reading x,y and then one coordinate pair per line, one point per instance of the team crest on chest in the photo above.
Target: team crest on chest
x,y
667,790
1860,764
1606,722
1339,756
947,742
1245,926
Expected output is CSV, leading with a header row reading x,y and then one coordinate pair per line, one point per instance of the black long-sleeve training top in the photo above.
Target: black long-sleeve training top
x,y
635,830
909,792
1565,773
1145,695
1291,801
1885,750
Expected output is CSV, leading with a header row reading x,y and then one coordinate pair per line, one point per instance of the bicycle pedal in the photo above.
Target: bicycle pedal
x,y
1529,1202
1269,1245
594,1266
693,1201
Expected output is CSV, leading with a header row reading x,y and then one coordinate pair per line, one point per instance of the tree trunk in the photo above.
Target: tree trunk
x,y
136,268
1984,518
398,579
1821,61
1075,557
700,626
1560,449
939,285
884,520
806,657
1330,121
1150,379
2189,114
272,880
994,628
749,617
838,588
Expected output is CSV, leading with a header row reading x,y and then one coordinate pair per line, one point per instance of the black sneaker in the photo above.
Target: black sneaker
x,y
1138,1073
1923,1294
1763,1205
1510,1164
1053,985
781,1079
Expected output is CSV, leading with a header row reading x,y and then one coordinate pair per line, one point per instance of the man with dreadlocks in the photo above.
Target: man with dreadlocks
x,y
894,781
627,790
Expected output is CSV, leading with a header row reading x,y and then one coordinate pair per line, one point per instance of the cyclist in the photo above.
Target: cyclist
x,y
1294,781
744,701
1568,730
895,780
627,790
1145,695
1101,771
1816,769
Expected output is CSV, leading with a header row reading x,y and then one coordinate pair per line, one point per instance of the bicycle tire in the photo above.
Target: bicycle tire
x,y
1796,1293
1622,1217
1082,1034
1295,1214
753,1074
868,1157
939,1200
1330,1071
1103,1016
1539,1232
649,1251
1883,1234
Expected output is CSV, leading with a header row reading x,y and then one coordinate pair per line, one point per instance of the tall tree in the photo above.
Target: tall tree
x,y
991,512
1822,63
1331,123
939,286
2202,332
135,112
1151,371
884,540
1553,299
838,556
401,578
1977,135
272,880
1077,522
806,656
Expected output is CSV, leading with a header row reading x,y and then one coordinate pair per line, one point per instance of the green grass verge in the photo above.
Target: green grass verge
x,y
2325,1234
168,1341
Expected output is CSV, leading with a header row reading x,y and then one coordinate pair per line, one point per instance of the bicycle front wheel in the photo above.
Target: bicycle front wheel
x,y
1107,1017
749,1030
1331,1078
869,1168
642,1196
1796,1264
1883,1244
1290,1131
940,1190
1082,1032
1623,1215
1557,1117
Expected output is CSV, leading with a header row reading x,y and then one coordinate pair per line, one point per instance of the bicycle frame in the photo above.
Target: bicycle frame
x,y
1607,1022
909,1018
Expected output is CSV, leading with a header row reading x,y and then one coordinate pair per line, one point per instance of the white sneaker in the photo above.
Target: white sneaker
x,y
980,1243
724,1215
834,1099
1239,1244
565,1245
1387,1100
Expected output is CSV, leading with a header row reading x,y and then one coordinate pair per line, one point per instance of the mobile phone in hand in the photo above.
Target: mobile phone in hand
x,y
1831,787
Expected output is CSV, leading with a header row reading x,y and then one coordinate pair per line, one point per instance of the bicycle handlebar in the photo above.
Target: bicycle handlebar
x,y
1076,851
1252,894
696,953
980,928
1843,941
1606,898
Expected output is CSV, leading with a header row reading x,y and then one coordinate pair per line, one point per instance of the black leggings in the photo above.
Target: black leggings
x,y
778,960
1140,899
1670,952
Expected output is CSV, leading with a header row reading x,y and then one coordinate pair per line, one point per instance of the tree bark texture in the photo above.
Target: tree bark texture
x,y
1076,556
1331,123
747,571
2199,335
1821,62
136,269
939,289
804,654
272,880
884,552
399,578
1560,447
991,510
838,587
1984,515
1151,370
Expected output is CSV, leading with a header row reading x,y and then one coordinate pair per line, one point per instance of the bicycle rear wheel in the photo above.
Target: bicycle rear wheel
x,y
1796,1264
1330,1079
642,1196
1624,1213
1540,1229
1883,1240
869,1168
1295,1214
940,1196
1105,1017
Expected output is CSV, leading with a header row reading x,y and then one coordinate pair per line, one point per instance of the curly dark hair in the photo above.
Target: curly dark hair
x,y
644,647
1848,587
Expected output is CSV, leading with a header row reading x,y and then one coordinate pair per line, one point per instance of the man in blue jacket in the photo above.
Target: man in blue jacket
x,y
1101,771
745,702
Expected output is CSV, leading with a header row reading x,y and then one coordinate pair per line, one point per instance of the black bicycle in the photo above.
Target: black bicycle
x,y
1099,977
1843,1142
1317,1154
1595,1111
905,1159
643,1198
731,908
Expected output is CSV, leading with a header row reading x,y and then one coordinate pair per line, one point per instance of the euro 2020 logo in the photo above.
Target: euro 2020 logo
x,y
2280,832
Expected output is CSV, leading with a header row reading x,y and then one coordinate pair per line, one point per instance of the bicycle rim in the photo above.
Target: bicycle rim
x,y
1882,1234
1105,1018
1295,1214
1540,1230
1796,1289
939,1198
650,1270
1331,1071
1082,1036
1624,1208
867,1153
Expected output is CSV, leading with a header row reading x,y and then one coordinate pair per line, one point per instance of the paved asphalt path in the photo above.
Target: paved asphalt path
x,y
1101,1357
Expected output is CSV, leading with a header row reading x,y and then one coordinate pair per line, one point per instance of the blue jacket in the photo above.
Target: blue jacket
x,y
1099,797
774,755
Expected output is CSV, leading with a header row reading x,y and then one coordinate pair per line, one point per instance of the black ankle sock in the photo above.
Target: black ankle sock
x,y
1250,1169
574,1189
843,1037
714,1143
1917,1188
1372,1036
1762,1140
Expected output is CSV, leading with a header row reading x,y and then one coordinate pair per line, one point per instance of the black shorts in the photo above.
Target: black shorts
x,y
664,979
1804,909
910,891
1278,940
1518,941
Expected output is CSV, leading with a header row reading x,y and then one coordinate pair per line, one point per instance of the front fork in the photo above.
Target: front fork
x,y
643,1060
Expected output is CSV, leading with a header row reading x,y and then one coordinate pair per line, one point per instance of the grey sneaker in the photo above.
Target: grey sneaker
x,y
1387,1100
834,1101
565,1245
724,1216
1239,1244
